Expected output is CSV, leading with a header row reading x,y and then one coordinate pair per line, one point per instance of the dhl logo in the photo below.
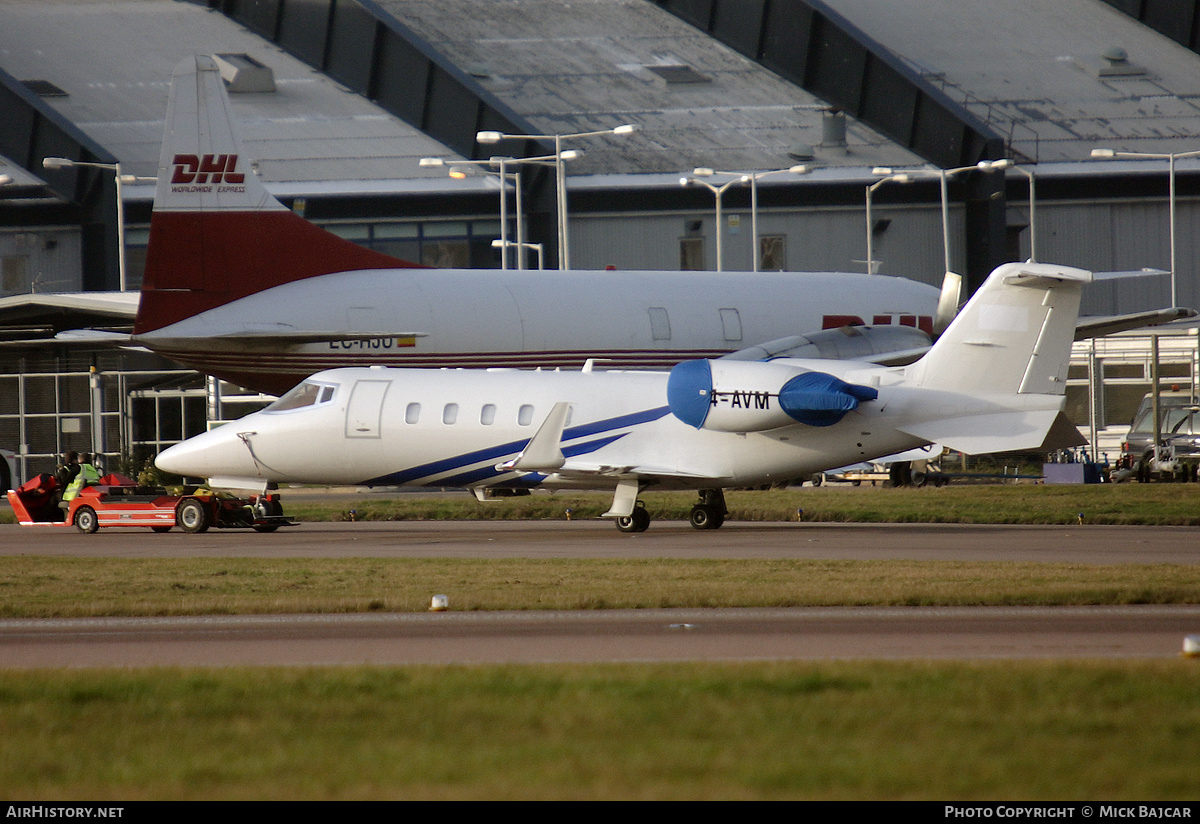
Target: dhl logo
x,y
198,169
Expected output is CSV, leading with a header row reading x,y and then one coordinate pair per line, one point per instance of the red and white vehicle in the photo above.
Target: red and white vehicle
x,y
115,500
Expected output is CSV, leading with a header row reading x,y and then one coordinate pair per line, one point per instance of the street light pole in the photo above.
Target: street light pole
x,y
537,247
458,173
753,177
718,191
115,168
1032,211
1171,158
564,245
889,176
943,176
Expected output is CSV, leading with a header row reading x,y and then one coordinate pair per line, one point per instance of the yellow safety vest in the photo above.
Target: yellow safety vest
x,y
87,474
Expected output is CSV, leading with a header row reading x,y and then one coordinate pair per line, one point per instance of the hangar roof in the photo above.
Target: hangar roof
x,y
595,64
1044,74
114,60
1047,75
589,64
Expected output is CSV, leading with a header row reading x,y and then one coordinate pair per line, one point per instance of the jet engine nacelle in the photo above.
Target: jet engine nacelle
x,y
740,396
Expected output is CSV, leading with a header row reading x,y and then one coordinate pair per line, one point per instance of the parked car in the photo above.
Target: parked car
x,y
1179,448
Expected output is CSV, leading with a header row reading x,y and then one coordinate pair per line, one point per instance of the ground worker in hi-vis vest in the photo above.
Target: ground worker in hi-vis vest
x,y
87,474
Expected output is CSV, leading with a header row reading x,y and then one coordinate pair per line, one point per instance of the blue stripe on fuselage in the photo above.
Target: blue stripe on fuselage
x,y
495,453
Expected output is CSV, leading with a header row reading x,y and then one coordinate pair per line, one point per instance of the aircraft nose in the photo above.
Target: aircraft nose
x,y
219,452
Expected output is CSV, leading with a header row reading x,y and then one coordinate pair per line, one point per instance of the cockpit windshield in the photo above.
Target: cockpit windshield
x,y
306,394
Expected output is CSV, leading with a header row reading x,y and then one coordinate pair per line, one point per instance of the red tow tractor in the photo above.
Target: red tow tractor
x,y
115,500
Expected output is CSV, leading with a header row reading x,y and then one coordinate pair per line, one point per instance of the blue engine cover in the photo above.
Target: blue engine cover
x,y
689,391
818,399
740,396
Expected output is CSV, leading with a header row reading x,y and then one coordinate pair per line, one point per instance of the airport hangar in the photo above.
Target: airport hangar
x,y
356,92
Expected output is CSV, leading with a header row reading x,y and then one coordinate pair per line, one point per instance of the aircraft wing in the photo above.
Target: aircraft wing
x,y
1097,327
873,344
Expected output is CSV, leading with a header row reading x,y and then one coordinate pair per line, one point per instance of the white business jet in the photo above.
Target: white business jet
x,y
239,286
994,381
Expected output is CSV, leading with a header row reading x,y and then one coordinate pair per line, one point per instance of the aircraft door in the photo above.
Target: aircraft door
x,y
365,409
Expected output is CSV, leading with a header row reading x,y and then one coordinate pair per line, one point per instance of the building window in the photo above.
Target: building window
x,y
772,253
691,254
13,279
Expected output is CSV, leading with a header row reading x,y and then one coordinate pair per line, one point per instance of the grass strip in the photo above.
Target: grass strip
x,y
40,587
1148,504
1130,504
795,730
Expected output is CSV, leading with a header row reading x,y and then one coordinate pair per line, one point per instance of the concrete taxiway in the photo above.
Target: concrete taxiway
x,y
664,539
602,636
616,635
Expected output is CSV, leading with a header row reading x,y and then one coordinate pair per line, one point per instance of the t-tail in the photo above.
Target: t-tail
x,y
216,234
1001,365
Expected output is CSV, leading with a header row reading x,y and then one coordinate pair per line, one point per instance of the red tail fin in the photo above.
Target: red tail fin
x,y
216,234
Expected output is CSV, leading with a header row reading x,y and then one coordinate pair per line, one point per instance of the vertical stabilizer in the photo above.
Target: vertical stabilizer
x,y
1013,337
216,234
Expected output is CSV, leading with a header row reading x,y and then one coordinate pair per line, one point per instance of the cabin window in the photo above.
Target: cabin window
x,y
731,325
660,324
306,394
450,413
487,415
525,414
412,413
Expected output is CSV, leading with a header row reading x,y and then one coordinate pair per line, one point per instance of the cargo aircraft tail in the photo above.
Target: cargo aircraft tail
x,y
216,234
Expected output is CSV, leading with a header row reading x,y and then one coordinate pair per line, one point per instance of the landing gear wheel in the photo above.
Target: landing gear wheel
x,y
192,516
267,509
710,511
86,520
639,521
706,517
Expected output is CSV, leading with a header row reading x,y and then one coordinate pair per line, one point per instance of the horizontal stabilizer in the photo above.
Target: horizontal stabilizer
x,y
1128,273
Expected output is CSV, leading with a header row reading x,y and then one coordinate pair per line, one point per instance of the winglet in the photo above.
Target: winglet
x,y
544,450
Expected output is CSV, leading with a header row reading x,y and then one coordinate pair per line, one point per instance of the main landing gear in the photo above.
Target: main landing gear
x,y
638,521
708,513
